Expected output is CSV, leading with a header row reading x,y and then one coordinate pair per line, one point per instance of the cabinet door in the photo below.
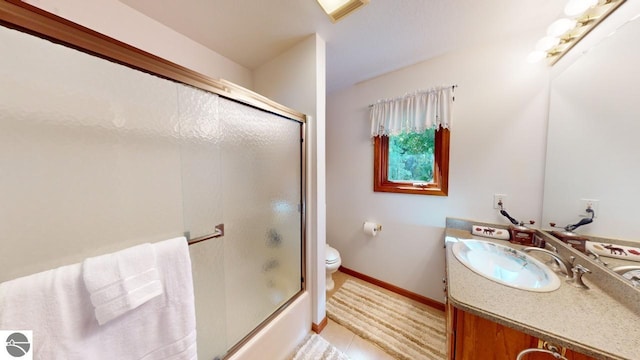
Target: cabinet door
x,y
479,338
568,354
572,355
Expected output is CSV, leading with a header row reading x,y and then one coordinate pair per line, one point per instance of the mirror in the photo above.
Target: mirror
x,y
593,147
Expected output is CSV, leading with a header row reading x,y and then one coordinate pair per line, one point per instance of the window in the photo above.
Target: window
x,y
411,142
412,163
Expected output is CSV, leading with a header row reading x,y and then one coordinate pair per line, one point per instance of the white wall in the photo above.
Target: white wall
x,y
497,146
123,23
296,79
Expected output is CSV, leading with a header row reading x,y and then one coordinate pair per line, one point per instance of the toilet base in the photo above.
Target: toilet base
x,y
330,284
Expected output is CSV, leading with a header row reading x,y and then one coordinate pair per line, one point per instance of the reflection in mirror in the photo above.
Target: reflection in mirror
x,y
593,150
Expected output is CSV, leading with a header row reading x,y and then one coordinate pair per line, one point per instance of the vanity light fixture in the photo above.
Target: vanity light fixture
x,y
337,9
564,33
578,7
561,26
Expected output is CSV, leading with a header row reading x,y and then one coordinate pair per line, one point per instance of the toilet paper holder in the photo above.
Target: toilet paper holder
x,y
371,228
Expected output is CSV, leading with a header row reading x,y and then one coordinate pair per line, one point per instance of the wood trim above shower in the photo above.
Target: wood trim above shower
x,y
21,16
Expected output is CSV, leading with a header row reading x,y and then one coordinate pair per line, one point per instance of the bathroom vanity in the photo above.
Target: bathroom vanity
x,y
488,320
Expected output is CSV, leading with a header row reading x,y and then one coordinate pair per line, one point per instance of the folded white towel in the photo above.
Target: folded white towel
x,y
121,281
56,305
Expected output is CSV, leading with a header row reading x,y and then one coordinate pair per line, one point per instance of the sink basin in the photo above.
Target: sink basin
x,y
506,265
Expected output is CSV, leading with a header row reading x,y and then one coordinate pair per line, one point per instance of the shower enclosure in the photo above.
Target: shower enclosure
x,y
99,156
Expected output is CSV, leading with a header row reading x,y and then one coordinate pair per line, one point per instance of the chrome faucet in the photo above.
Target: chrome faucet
x,y
625,268
578,271
596,257
635,280
565,266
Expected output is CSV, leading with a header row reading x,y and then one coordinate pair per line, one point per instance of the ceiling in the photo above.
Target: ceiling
x,y
383,36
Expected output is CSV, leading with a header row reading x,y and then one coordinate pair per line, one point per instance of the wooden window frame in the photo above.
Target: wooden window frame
x,y
440,184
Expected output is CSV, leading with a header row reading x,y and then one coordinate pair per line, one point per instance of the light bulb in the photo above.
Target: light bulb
x,y
561,26
577,7
547,43
536,56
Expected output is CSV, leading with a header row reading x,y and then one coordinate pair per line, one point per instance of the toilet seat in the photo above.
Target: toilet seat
x,y
331,256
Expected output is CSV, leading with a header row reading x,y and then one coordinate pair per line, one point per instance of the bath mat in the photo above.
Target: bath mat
x,y
402,329
314,347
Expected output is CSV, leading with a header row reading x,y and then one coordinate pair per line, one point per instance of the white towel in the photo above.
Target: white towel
x,y
121,281
56,305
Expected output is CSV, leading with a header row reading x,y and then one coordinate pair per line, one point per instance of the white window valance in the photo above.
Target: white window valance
x,y
413,113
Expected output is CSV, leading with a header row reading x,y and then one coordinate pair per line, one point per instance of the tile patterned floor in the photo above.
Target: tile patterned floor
x,y
344,339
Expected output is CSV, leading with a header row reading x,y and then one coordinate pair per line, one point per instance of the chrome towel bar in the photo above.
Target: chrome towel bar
x,y
218,232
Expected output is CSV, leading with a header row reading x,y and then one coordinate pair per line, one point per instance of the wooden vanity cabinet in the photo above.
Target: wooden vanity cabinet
x,y
470,337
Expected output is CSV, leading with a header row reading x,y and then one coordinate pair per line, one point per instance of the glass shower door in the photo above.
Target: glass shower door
x,y
101,157
202,210
261,157
241,167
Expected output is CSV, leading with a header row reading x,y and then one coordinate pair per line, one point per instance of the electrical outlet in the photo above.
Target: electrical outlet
x,y
588,203
497,198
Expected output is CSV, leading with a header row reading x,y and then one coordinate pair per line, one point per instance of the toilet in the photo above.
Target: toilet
x,y
332,262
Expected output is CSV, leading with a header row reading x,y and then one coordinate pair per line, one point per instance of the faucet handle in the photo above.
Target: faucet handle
x,y
578,271
597,257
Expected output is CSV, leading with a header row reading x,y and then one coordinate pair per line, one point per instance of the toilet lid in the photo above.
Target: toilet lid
x,y
331,255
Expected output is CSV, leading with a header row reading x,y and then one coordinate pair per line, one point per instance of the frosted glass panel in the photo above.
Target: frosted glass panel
x,y
59,86
207,262
202,202
96,157
201,167
89,156
261,161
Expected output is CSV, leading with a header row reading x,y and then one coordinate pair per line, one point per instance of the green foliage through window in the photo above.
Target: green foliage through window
x,y
411,157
